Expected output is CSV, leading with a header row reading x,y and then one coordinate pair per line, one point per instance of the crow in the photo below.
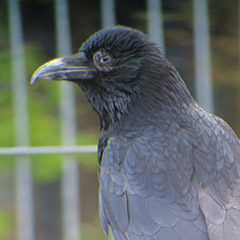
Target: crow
x,y
168,170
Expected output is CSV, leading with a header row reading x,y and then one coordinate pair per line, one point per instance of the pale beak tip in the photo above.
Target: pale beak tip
x,y
42,71
33,79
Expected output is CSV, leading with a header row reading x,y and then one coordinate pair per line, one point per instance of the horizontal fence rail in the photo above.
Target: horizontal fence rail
x,y
48,150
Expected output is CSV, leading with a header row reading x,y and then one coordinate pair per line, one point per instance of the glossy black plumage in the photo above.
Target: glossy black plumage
x,y
167,169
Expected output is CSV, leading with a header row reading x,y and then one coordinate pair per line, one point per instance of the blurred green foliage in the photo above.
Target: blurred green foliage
x,y
5,224
89,232
44,118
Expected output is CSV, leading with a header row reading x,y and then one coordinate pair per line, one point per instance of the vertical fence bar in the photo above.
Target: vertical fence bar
x,y
24,188
155,22
108,13
202,55
70,179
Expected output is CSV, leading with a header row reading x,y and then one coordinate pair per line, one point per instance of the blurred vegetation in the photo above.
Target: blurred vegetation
x,y
45,125
5,224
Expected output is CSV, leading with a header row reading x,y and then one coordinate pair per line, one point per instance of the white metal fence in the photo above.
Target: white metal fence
x,y
23,152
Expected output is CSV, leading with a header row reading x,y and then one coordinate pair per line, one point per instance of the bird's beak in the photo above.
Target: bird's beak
x,y
71,68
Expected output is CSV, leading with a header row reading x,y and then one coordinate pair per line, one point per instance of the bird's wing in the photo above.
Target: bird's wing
x,y
217,160
148,189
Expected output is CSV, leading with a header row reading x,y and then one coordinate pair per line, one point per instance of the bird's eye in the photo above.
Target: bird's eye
x,y
105,59
102,61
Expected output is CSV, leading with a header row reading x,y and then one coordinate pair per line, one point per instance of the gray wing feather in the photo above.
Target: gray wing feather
x,y
144,193
220,198
103,216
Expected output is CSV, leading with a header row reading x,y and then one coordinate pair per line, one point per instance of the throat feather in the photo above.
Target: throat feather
x,y
109,105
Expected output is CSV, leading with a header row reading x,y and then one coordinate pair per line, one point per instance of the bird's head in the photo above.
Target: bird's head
x,y
115,67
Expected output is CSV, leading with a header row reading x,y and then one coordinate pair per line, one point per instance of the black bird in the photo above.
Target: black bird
x,y
167,168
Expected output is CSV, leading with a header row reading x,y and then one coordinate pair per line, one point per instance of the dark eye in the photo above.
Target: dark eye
x,y
102,61
105,59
